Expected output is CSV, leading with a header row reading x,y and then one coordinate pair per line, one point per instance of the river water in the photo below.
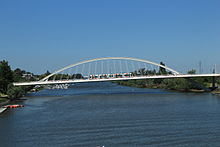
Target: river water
x,y
110,115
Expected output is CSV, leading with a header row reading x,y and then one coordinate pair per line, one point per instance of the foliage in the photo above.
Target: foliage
x,y
162,70
177,84
193,71
77,76
182,84
44,75
15,91
6,76
218,80
17,75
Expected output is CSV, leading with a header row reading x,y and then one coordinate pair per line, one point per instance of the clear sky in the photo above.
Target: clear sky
x,y
40,35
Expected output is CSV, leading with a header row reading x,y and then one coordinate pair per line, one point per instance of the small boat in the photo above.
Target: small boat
x,y
14,106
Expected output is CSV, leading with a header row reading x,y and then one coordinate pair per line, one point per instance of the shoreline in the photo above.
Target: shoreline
x,y
216,92
162,87
2,109
2,104
4,101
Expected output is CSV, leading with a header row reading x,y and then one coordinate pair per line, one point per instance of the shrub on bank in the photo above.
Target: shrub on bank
x,y
15,91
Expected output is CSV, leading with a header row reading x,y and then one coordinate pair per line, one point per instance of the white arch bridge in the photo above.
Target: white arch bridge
x,y
111,69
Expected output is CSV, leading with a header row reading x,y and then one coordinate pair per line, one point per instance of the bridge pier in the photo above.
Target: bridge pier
x,y
214,85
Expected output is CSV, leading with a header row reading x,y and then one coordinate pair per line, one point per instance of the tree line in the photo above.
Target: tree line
x,y
179,84
8,76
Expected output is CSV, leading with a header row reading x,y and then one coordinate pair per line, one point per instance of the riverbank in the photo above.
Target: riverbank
x,y
2,109
4,101
17,94
178,85
217,92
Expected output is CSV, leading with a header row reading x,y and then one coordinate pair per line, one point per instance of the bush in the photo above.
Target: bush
x,y
15,92
177,84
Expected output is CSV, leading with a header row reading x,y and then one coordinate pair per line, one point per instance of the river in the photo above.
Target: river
x,y
111,115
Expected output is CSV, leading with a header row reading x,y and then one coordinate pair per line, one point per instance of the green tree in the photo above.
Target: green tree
x,y
17,75
44,75
6,76
193,71
77,76
15,91
162,70
141,71
177,84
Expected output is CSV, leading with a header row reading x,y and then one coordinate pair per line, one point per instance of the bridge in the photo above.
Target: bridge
x,y
111,69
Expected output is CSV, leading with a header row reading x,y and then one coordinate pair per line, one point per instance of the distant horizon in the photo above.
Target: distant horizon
x,y
37,36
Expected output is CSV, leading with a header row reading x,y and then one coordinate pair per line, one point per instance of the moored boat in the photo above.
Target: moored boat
x,y
14,106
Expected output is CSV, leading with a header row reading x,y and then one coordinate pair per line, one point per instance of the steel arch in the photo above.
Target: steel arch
x,y
109,58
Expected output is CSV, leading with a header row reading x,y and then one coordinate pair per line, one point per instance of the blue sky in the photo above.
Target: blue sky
x,y
40,35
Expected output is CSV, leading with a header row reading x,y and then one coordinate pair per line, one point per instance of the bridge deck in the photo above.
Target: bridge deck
x,y
114,79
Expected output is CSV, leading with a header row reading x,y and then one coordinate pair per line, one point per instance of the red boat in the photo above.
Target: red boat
x,y
14,106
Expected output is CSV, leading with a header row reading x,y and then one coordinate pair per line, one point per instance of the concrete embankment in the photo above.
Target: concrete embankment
x,y
2,109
